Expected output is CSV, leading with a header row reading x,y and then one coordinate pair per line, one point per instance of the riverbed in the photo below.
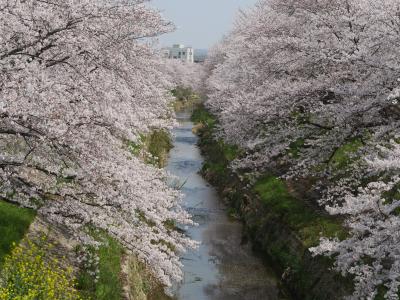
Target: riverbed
x,y
223,267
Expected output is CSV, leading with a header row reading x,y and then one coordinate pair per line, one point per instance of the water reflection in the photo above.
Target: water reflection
x,y
222,268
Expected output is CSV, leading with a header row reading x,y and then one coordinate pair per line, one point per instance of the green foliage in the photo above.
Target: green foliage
x,y
230,152
343,155
136,148
219,154
152,148
202,116
37,202
274,192
382,290
141,283
207,122
185,98
393,194
29,274
282,254
159,144
14,222
108,286
169,245
170,225
295,148
217,164
142,218
309,225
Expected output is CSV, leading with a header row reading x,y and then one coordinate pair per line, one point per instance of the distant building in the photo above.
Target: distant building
x,y
180,52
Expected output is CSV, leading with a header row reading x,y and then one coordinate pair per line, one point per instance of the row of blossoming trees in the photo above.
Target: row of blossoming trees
x,y
309,89
79,86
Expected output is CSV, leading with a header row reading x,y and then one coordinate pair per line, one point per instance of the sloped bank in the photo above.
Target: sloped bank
x,y
277,221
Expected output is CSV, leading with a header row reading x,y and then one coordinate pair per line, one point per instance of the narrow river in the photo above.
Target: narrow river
x,y
222,268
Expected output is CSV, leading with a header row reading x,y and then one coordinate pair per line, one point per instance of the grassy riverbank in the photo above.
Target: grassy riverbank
x,y
14,223
120,275
281,225
153,148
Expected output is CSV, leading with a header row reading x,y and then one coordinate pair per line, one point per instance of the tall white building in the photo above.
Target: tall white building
x,y
180,52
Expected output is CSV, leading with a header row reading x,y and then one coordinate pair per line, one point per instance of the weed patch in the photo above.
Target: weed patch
x,y
308,224
105,283
14,223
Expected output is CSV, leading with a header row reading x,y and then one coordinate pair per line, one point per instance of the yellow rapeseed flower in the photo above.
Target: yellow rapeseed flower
x,y
27,275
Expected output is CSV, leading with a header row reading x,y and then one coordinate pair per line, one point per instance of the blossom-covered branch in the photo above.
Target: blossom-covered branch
x,y
78,83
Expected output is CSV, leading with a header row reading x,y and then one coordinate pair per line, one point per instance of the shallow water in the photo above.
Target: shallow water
x,y
222,268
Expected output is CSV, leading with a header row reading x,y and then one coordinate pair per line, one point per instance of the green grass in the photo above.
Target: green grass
x,y
393,195
159,144
14,223
222,152
219,154
141,282
308,224
185,98
343,155
202,116
109,285
230,152
136,148
282,254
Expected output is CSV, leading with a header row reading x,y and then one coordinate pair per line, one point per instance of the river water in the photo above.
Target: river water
x,y
222,268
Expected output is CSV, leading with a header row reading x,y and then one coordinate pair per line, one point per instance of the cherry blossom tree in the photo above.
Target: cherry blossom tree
x,y
79,85
183,74
371,252
287,75
309,90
